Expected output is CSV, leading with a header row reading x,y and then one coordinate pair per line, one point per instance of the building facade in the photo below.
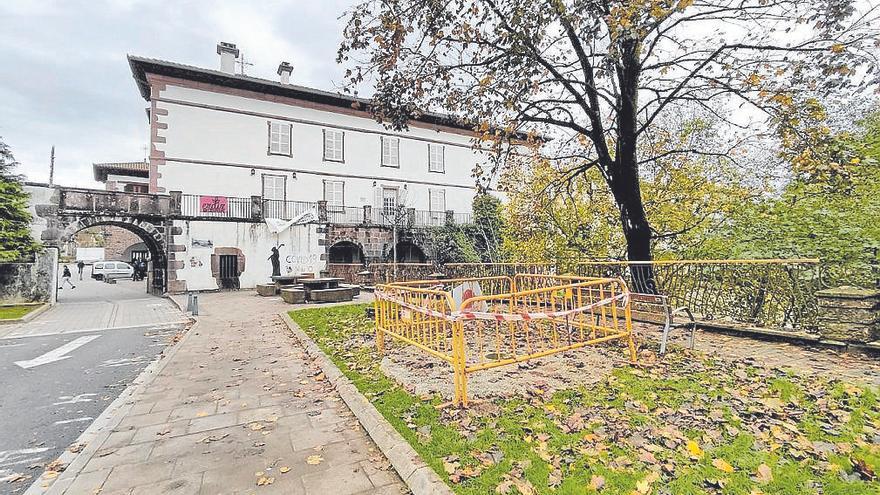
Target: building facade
x,y
225,141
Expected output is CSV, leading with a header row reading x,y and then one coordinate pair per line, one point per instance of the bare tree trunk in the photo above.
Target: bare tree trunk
x,y
623,174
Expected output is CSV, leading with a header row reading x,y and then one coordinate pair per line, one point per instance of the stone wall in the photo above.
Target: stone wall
x,y
376,241
116,241
30,282
849,314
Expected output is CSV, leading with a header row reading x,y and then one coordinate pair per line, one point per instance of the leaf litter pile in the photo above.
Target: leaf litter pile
x,y
683,424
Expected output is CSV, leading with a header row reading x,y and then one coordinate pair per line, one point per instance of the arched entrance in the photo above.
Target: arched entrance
x,y
153,242
407,252
345,252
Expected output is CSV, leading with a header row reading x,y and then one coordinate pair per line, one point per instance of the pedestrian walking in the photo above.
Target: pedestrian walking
x,y
65,277
79,267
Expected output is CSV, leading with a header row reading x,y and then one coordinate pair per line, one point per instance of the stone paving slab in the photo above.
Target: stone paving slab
x,y
238,409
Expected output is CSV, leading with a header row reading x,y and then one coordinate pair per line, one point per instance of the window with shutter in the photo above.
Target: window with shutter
x,y
436,158
437,204
390,151
334,194
334,147
279,138
273,187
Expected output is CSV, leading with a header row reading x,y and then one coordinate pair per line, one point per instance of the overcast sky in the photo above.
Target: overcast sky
x,y
64,78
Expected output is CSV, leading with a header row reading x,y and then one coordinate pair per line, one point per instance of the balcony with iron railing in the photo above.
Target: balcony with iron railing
x,y
255,209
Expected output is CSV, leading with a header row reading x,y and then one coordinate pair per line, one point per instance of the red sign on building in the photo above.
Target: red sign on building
x,y
213,204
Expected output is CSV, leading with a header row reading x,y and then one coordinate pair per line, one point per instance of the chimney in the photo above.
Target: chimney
x,y
284,70
228,53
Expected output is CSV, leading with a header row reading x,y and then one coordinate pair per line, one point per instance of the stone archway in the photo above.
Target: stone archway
x,y
409,252
152,235
345,252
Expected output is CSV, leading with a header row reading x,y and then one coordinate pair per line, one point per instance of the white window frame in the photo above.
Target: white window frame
x,y
337,192
389,210
275,187
390,151
277,131
436,152
335,152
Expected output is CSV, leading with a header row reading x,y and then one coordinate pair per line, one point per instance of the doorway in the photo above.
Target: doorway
x,y
229,271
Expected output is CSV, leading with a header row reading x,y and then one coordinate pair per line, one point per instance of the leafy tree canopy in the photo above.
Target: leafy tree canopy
x,y
596,76
15,235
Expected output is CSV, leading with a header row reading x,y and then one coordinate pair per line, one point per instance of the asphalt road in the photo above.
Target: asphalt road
x,y
54,383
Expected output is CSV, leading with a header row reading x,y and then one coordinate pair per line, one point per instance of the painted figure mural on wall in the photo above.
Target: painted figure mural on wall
x,y
275,258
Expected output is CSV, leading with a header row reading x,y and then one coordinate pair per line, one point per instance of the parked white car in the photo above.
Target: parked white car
x,y
111,269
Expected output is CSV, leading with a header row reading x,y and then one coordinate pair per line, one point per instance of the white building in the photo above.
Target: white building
x,y
232,144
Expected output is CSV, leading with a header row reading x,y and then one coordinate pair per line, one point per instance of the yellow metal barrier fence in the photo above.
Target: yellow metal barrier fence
x,y
502,320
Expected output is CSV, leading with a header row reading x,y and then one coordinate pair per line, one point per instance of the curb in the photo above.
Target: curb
x,y
103,426
418,476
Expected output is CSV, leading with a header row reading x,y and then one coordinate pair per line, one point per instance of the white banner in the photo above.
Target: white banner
x,y
277,225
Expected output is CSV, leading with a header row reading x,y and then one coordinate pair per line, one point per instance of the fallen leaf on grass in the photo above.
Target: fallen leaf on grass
x,y
314,460
864,470
694,449
597,481
764,474
722,465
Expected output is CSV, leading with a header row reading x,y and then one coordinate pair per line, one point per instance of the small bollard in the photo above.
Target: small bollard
x,y
189,301
195,304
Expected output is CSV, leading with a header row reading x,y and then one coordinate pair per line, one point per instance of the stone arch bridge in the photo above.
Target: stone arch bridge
x,y
60,212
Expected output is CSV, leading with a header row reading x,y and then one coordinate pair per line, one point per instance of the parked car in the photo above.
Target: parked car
x,y
111,269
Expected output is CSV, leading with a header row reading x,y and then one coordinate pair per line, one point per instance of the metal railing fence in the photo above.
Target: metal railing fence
x,y
779,293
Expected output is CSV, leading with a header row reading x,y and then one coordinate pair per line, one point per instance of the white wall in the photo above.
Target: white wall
x,y
238,138
300,253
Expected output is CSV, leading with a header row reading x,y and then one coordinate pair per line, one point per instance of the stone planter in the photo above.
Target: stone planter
x,y
293,296
849,314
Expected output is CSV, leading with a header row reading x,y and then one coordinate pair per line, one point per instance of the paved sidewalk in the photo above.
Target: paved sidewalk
x,y
239,408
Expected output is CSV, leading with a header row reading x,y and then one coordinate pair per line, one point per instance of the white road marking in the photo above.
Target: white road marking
x,y
112,363
17,457
74,399
74,420
152,326
57,354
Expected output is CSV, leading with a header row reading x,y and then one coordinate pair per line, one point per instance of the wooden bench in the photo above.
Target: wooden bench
x,y
655,308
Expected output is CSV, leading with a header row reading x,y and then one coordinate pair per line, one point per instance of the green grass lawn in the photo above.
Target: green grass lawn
x,y
17,311
684,425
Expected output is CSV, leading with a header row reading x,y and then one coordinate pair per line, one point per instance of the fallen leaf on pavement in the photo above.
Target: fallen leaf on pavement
x,y
314,460
265,481
284,469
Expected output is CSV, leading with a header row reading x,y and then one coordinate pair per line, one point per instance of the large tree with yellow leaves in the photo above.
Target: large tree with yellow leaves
x,y
595,75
